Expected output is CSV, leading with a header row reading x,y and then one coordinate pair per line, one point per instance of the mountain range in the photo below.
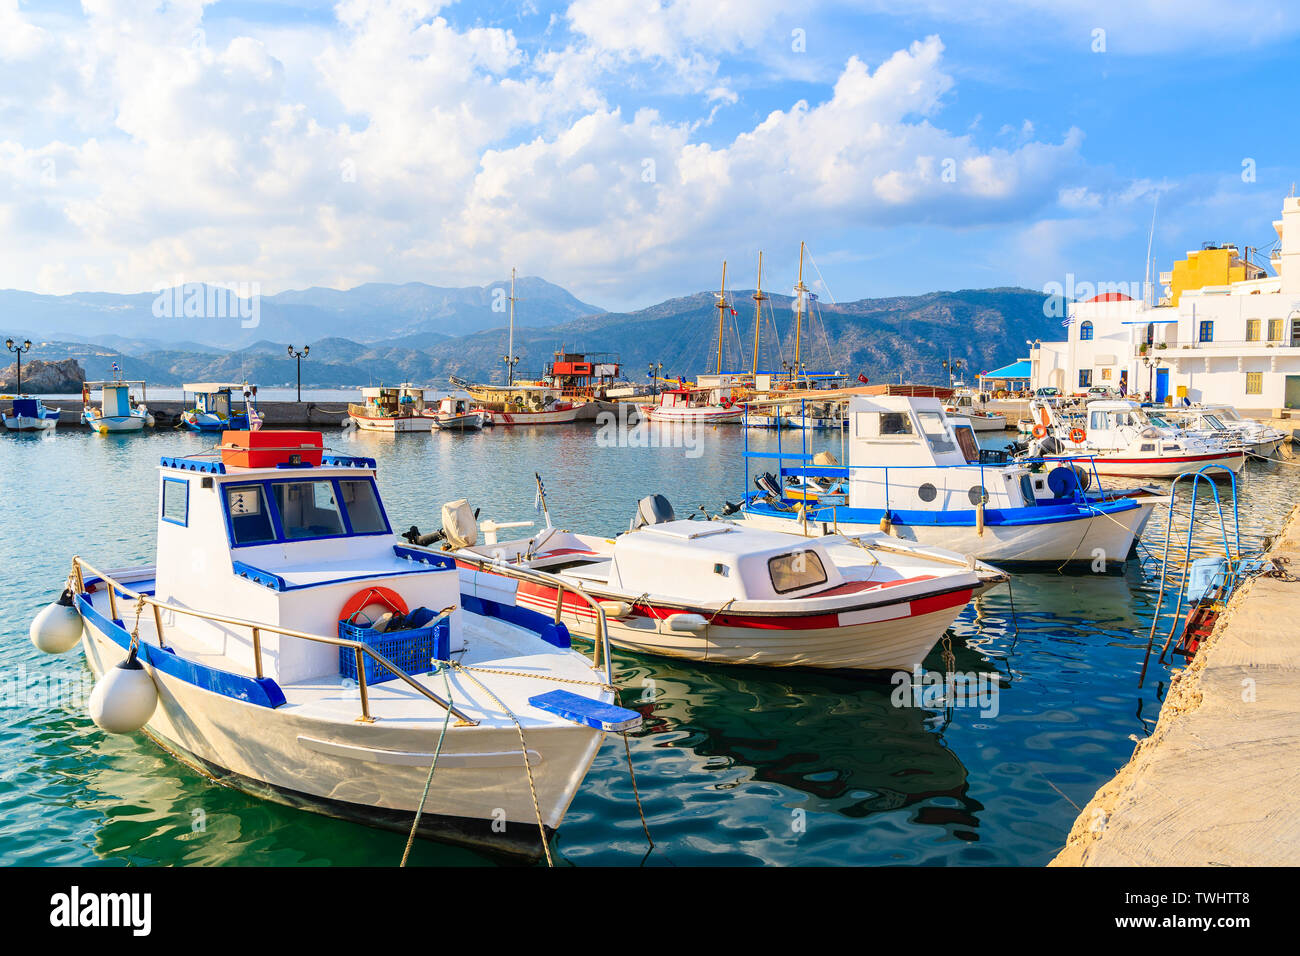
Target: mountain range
x,y
386,334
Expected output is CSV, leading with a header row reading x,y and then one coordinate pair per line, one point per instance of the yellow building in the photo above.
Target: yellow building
x,y
1212,265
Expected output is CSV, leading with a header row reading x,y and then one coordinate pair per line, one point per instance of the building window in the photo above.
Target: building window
x,y
1275,330
1151,333
1254,383
1085,331
1206,332
1252,330
1085,378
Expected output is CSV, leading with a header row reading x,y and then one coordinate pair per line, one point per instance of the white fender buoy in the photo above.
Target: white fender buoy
x,y
124,698
616,609
692,623
57,629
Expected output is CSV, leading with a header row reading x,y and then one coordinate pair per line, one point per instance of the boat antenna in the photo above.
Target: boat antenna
x,y
540,503
758,311
722,311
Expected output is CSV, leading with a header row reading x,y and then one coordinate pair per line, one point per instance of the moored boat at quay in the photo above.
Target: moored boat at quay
x,y
922,477
29,414
318,662
399,408
118,410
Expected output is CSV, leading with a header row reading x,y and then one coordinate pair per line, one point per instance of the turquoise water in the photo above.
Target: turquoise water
x,y
735,766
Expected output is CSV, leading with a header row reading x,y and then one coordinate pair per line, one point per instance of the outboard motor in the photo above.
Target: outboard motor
x,y
768,484
652,509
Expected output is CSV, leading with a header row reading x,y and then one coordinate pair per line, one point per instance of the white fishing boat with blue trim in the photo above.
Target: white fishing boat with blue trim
x,y
922,477
29,415
215,408
119,410
287,644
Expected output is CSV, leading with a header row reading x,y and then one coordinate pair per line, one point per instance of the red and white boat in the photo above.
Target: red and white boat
x,y
721,593
713,403
529,405
1118,438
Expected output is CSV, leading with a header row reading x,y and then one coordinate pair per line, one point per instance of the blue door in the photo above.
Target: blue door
x,y
1162,384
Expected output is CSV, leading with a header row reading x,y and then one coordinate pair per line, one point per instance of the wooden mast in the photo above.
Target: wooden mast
x,y
799,291
722,311
758,312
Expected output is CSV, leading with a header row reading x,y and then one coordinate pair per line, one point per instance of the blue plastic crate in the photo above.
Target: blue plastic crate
x,y
412,650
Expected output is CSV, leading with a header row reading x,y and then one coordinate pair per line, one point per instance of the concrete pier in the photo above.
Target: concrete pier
x,y
1217,783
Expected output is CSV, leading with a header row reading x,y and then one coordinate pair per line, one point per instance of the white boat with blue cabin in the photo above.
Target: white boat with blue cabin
x,y
118,410
921,476
288,645
215,409
29,415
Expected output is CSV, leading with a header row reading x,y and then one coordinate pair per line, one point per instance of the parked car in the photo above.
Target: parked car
x,y
1048,391
1102,391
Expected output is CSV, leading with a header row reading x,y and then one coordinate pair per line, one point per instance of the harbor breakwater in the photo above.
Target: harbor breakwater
x,y
1215,783
275,414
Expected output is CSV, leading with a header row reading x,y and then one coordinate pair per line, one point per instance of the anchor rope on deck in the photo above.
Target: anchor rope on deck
x,y
428,781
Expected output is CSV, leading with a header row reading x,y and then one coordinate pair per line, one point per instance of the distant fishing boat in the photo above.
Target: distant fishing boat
x,y
118,409
318,662
458,412
215,408
30,415
400,408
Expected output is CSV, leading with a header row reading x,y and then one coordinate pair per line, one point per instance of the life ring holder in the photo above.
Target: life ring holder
x,y
372,595
1040,431
1078,435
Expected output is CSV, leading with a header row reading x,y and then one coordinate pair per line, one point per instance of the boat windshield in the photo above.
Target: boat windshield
x,y
936,431
796,570
261,512
1214,423
308,509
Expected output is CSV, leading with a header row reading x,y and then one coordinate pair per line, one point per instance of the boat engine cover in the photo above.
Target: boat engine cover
x,y
459,524
653,509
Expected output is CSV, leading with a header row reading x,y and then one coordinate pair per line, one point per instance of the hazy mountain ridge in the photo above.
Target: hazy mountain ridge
x,y
907,336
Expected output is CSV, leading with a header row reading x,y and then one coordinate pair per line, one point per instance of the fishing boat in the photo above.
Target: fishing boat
x,y
285,643
720,593
1118,437
922,477
1224,424
710,404
963,404
400,408
29,415
118,409
215,407
458,412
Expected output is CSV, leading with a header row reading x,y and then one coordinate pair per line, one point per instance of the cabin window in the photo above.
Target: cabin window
x,y
250,518
1097,421
308,509
1148,446
970,448
796,570
936,431
895,423
1254,383
364,513
176,501
927,492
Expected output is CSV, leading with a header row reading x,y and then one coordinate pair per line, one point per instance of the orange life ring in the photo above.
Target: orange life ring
x,y
1040,431
373,595
1077,435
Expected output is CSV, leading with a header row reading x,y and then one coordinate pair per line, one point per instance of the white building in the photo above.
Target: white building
x,y
1224,332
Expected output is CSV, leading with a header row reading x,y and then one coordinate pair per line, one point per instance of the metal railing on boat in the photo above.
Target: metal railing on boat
x,y
600,652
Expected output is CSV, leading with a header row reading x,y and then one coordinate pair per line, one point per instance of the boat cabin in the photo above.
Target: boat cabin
x,y
456,403
714,561
216,398
906,453
116,400
287,534
393,401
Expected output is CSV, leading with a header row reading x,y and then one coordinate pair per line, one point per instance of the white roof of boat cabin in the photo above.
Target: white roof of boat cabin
x,y
719,538
1112,405
212,386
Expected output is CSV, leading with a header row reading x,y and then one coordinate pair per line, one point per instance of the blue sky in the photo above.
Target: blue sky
x,y
624,148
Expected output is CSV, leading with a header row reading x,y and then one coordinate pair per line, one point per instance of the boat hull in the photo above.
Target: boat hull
x,y
25,423
1080,541
560,417
701,415
1118,466
458,423
118,423
370,773
405,423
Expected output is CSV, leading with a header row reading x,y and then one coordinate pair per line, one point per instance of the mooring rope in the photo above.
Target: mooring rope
x,y
428,782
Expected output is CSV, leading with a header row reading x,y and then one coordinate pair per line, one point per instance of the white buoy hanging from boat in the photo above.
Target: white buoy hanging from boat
x,y
57,629
124,698
690,623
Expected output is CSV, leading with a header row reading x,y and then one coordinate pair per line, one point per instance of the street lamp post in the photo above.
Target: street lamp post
x,y
19,350
299,356
656,372
952,367
511,361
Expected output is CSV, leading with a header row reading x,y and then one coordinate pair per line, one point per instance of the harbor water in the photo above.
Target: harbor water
x,y
734,765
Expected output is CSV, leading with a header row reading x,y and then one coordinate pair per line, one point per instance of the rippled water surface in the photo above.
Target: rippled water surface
x,y
735,765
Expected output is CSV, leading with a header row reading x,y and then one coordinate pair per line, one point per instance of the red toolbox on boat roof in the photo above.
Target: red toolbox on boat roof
x,y
269,449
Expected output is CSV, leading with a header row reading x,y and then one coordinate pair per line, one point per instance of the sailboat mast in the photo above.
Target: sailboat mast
x,y
722,306
799,291
510,342
758,311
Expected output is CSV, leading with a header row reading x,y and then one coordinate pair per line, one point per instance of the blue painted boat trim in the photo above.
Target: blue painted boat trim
x,y
587,712
274,582
259,691
557,635
189,464
993,517
349,461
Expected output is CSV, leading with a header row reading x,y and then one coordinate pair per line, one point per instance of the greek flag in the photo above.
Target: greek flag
x,y
1069,321
254,418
